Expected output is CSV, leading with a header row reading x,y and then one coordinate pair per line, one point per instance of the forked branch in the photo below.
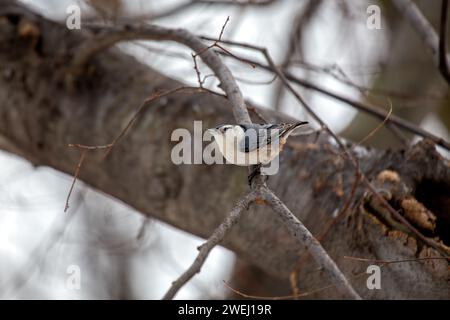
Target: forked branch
x,y
110,36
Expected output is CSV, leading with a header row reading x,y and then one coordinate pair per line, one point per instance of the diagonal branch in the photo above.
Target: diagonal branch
x,y
348,155
353,160
443,62
300,232
112,35
216,238
426,31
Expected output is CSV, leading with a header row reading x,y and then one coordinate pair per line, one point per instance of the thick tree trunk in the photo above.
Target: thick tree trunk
x,y
41,112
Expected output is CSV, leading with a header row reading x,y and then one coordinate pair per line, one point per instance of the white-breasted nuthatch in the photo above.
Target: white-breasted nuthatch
x,y
252,144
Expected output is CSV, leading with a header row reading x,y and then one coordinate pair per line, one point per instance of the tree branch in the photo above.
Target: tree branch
x,y
112,35
353,160
216,238
228,84
303,235
443,62
93,111
419,22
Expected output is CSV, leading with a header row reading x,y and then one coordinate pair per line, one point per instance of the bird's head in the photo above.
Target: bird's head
x,y
222,131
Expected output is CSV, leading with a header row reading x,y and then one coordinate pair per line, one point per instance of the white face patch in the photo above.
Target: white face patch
x,y
226,130
237,131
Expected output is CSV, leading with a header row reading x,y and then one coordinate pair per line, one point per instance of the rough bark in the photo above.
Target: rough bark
x,y
42,112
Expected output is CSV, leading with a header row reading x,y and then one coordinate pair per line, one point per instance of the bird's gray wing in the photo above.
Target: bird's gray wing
x,y
257,135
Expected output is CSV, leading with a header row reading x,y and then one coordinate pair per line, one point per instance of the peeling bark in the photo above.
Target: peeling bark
x,y
41,113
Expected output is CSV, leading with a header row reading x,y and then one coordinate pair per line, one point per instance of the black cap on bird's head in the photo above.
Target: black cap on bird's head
x,y
219,130
224,127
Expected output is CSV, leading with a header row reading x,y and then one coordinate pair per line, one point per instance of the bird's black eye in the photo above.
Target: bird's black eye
x,y
223,128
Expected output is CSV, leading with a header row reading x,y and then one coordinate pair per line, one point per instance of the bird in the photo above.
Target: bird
x,y
252,144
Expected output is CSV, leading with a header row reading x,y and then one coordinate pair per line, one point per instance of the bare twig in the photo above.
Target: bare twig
x,y
216,238
382,263
293,281
372,110
301,21
377,128
147,102
75,175
215,44
335,71
85,148
426,31
385,262
141,108
197,71
292,296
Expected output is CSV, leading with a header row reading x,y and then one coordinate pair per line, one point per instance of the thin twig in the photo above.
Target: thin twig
x,y
376,129
215,44
216,238
85,148
293,281
147,102
384,262
75,176
223,28
302,19
335,71
291,296
197,71
354,277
